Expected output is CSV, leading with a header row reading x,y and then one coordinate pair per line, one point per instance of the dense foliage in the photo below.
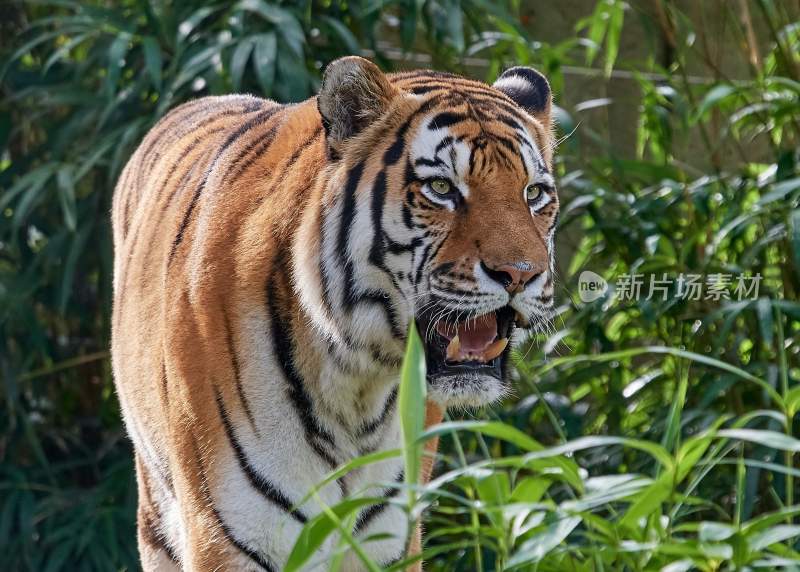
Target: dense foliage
x,y
649,434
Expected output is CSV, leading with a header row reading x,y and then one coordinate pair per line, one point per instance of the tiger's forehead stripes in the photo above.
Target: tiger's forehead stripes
x,y
458,143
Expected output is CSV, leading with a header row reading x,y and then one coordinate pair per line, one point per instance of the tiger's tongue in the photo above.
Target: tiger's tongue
x,y
475,335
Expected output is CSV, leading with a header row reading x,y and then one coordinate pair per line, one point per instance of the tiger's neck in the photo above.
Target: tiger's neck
x,y
354,379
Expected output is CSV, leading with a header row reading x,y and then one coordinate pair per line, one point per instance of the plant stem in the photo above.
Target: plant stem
x,y
784,377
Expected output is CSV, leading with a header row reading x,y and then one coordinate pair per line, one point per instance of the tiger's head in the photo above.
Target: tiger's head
x,y
440,206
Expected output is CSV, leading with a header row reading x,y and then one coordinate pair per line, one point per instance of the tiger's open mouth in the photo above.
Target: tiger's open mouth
x,y
475,346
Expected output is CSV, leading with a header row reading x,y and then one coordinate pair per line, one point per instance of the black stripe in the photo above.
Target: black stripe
x,y
290,163
508,120
303,146
152,533
446,119
323,270
412,74
258,146
474,93
258,481
284,354
372,512
554,223
395,150
436,162
187,175
237,372
231,139
126,200
421,266
164,387
155,538
343,239
263,561
423,89
388,360
375,424
169,128
448,140
382,300
255,149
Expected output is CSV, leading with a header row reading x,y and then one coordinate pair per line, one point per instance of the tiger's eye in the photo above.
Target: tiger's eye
x,y
440,186
534,192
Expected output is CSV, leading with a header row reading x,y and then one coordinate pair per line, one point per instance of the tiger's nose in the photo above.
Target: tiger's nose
x,y
512,276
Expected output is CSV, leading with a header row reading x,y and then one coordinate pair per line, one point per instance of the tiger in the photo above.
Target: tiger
x,y
268,262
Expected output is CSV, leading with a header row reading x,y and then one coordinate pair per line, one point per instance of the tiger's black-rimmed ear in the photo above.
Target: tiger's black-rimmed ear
x,y
529,89
354,93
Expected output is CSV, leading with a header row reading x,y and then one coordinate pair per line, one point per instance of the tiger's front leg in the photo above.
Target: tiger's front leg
x,y
234,515
226,528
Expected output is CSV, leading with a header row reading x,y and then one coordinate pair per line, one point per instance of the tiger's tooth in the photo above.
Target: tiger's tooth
x,y
521,320
454,349
495,349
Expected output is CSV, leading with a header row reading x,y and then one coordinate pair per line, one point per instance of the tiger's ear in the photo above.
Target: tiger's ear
x,y
529,89
354,93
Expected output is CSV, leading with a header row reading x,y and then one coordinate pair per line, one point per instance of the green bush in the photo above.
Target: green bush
x,y
654,434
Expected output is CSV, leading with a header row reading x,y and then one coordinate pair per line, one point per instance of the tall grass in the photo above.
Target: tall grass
x,y
532,507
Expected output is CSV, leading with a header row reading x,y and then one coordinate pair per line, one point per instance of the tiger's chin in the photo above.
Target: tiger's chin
x,y
466,360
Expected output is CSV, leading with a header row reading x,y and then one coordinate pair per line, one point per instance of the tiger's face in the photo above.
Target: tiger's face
x,y
463,209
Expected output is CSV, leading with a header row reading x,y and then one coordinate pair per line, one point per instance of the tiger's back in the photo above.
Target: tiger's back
x,y
268,261
184,202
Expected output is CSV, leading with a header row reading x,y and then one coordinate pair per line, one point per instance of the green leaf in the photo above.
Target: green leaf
x,y
673,428
411,404
66,195
794,237
455,25
32,182
713,97
77,248
648,501
513,435
116,60
489,428
695,357
264,60
765,322
598,24
343,32
284,21
653,449
714,531
239,61
352,465
792,402
152,60
64,50
319,528
780,191
542,543
494,488
615,19
530,489
771,439
188,26
772,536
